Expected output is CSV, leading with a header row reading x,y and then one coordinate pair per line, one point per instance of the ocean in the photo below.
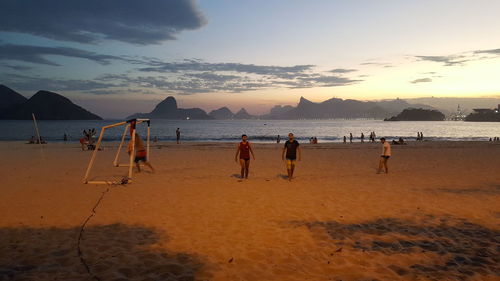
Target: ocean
x,y
258,130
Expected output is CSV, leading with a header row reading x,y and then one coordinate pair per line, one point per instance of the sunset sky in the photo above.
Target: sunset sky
x,y
118,57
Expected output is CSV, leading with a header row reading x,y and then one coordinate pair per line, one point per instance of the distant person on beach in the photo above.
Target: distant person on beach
x,y
278,139
399,141
350,137
244,149
362,137
345,139
386,154
65,137
32,140
315,140
290,149
178,134
140,153
155,140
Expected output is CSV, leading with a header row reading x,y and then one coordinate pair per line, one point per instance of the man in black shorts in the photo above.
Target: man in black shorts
x,y
386,154
291,148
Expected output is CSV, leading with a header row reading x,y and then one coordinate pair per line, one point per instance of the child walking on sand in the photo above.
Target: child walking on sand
x,y
244,149
386,154
140,153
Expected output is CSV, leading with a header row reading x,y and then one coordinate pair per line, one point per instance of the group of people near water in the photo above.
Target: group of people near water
x,y
291,153
88,139
362,137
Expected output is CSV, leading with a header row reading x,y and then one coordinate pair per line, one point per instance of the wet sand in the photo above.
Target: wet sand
x,y
435,216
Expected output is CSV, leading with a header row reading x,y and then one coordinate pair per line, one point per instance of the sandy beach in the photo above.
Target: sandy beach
x,y
435,216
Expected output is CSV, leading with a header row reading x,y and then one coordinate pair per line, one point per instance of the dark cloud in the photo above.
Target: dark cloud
x,y
209,76
190,83
459,59
37,54
198,65
490,52
380,64
29,83
120,91
186,77
90,21
324,81
342,70
15,67
421,80
451,60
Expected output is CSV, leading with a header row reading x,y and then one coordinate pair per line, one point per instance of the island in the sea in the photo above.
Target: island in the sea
x,y
484,115
418,114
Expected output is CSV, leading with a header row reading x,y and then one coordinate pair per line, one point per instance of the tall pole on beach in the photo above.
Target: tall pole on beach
x,y
36,128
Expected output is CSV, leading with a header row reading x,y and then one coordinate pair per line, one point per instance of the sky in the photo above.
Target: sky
x,y
118,57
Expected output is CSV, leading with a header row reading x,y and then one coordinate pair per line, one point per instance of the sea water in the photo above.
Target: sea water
x,y
257,130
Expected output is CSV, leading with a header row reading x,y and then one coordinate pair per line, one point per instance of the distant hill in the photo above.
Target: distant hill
x,y
48,106
278,109
243,114
485,115
418,114
167,109
10,98
222,113
448,105
338,108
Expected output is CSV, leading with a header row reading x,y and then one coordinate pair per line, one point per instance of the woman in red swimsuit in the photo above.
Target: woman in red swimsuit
x,y
244,149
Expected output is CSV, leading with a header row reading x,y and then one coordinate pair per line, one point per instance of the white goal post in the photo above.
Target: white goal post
x,y
130,124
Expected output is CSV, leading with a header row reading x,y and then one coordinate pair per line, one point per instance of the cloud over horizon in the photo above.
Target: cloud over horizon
x,y
92,21
421,80
37,54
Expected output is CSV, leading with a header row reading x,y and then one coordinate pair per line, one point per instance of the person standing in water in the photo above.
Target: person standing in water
x,y
178,134
291,148
386,154
278,139
350,137
244,149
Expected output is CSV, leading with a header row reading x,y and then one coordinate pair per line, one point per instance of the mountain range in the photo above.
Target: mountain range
x,y
49,105
329,109
339,108
44,104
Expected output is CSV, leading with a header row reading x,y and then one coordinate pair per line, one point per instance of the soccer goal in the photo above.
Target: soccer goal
x,y
129,125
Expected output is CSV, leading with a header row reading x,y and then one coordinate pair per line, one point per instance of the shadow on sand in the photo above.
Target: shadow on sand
x,y
467,249
112,252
